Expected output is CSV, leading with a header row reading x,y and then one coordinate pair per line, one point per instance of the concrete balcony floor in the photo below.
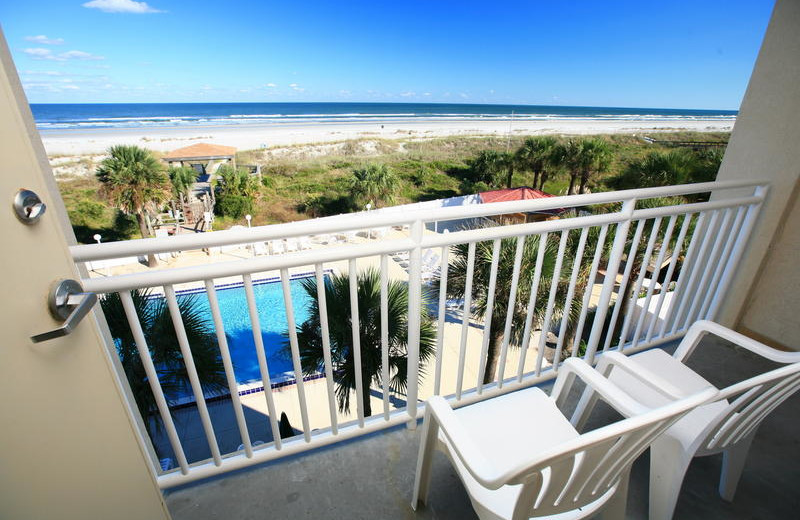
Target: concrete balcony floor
x,y
372,477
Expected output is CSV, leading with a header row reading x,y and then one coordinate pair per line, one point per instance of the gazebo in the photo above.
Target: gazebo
x,y
521,193
202,153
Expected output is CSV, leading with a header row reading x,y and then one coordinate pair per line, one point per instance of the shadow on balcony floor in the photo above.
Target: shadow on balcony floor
x,y
371,478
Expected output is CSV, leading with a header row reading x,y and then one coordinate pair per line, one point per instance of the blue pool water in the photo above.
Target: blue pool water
x,y
272,317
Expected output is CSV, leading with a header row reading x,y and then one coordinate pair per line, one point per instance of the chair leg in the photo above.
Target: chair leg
x,y
668,465
422,479
733,460
615,509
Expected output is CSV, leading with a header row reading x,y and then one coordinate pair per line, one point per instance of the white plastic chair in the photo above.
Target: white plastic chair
x,y
291,245
260,248
519,457
726,425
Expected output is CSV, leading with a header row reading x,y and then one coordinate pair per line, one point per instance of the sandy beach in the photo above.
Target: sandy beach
x,y
77,142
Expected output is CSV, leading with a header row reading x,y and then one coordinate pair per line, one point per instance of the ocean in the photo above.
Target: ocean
x,y
153,115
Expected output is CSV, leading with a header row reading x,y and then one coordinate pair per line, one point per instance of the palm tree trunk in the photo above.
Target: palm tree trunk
x,y
536,176
510,176
492,353
151,259
584,182
572,178
544,177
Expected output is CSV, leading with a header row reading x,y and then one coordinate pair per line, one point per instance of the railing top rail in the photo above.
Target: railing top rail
x,y
379,218
386,246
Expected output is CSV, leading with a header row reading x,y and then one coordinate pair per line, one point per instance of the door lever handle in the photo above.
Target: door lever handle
x,y
67,302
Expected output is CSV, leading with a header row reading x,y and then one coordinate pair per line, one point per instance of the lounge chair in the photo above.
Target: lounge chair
x,y
726,425
291,245
260,248
277,246
519,457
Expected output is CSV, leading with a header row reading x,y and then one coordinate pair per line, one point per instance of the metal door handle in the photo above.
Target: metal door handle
x,y
67,302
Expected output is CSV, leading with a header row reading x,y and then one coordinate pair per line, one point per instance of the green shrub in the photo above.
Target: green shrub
x,y
235,206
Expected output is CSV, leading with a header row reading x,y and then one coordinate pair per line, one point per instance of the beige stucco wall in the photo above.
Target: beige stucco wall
x,y
765,145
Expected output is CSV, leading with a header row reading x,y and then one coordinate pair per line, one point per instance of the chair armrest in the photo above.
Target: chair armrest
x,y
615,360
702,327
595,381
461,443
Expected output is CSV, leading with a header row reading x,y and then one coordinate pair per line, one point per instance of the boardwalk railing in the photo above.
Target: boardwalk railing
x,y
624,271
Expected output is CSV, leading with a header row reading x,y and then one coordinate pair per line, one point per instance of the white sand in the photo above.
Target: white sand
x,y
249,137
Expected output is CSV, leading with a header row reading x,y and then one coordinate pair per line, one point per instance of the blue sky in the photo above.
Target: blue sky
x,y
673,54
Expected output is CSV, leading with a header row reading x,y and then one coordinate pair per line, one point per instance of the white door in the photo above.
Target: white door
x,y
68,447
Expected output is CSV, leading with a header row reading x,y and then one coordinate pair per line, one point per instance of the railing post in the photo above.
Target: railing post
x,y
414,310
612,269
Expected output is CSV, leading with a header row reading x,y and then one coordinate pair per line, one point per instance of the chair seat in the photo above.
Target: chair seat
x,y
688,428
502,427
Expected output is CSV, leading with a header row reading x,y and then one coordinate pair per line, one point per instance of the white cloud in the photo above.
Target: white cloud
x,y
463,96
43,73
344,92
44,40
296,87
406,94
270,85
293,85
40,53
426,94
121,6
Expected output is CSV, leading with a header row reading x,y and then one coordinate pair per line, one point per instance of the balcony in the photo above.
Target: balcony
x,y
372,477
498,305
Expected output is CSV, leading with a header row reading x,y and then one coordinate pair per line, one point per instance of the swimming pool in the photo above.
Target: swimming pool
x,y
272,316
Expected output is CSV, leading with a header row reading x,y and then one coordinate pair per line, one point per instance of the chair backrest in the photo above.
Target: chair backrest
x,y
753,400
580,471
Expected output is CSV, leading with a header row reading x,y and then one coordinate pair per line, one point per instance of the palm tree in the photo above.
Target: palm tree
x,y
182,179
657,169
456,286
489,165
134,181
596,157
337,296
162,341
535,155
376,184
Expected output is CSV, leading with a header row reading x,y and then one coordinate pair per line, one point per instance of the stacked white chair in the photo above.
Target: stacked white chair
x,y
725,425
519,457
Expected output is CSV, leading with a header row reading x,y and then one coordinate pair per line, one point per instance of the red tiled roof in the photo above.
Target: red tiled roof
x,y
522,193
201,151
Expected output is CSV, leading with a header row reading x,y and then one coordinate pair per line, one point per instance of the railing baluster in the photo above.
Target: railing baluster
x,y
487,317
295,348
512,301
587,292
573,280
322,302
152,379
551,300
531,314
673,261
709,261
730,239
230,376
440,326
637,287
385,334
612,269
626,279
466,318
191,371
356,335
653,280
680,295
414,319
741,242
255,322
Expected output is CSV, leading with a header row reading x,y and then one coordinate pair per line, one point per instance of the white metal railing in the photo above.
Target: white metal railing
x,y
608,251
